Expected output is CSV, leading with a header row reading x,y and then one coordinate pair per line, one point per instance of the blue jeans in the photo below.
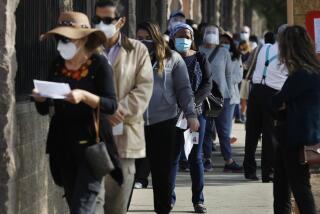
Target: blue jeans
x,y
224,128
237,112
195,163
209,137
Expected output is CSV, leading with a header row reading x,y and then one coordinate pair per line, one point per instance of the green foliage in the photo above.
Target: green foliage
x,y
275,11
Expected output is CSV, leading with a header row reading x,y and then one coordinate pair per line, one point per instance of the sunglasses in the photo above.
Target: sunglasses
x,y
107,20
63,39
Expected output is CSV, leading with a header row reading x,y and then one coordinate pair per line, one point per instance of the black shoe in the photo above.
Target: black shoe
x,y
199,208
239,121
251,176
232,167
208,165
267,179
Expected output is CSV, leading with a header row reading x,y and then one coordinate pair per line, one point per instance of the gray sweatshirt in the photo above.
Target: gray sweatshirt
x,y
221,67
170,87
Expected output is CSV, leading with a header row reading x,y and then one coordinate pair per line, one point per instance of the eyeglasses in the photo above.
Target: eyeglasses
x,y
71,24
106,20
63,39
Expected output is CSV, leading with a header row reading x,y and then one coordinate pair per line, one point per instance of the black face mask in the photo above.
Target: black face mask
x,y
150,45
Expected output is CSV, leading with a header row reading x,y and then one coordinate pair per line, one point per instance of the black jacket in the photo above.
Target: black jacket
x,y
71,124
301,96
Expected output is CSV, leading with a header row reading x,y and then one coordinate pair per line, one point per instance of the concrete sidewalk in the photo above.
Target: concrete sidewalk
x,y
225,193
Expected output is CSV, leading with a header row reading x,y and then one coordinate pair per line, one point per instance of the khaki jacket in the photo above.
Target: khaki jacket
x,y
133,77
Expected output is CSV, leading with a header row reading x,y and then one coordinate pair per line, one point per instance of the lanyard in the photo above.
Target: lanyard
x,y
267,63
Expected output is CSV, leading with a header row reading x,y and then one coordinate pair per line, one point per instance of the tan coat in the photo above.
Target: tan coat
x,y
134,84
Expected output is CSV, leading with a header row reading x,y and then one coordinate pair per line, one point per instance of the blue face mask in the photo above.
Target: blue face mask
x,y
226,46
182,45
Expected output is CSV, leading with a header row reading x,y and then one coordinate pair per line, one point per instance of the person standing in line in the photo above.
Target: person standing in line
x,y
245,34
182,39
268,79
299,102
237,71
72,128
133,79
249,66
171,86
221,66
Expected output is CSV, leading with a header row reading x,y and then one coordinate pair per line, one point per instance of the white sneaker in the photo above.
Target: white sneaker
x,y
138,185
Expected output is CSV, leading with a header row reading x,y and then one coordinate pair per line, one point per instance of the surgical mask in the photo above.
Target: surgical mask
x,y
182,45
226,46
149,44
67,50
211,39
109,30
244,36
253,45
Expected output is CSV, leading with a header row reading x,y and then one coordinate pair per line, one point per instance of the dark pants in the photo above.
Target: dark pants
x,y
160,139
81,187
142,171
195,163
209,137
259,121
290,175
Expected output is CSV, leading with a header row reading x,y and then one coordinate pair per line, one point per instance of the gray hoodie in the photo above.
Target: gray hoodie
x,y
170,87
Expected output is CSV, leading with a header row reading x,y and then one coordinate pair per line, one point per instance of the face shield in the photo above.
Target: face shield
x,y
174,21
211,35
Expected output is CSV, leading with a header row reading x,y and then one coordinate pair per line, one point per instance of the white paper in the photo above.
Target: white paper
x,y
182,122
118,129
317,34
190,138
52,90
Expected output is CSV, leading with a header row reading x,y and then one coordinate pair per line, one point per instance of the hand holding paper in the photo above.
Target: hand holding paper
x,y
190,138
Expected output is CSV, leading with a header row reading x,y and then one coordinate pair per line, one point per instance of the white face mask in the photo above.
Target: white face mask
x,y
212,39
253,45
109,30
244,36
67,50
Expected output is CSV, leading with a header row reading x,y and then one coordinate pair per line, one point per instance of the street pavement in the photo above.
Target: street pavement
x,y
225,193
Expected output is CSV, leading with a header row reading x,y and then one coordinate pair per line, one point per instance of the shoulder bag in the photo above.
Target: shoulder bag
x,y
97,155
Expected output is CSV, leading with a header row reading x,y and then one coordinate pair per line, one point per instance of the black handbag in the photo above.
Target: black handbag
x,y
213,104
97,155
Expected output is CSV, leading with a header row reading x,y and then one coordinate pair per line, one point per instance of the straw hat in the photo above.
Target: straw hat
x,y
76,25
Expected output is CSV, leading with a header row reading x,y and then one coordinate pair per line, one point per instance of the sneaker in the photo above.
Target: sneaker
x,y
199,208
232,167
208,165
138,185
239,121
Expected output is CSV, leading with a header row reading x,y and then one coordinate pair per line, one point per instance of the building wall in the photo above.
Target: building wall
x,y
26,186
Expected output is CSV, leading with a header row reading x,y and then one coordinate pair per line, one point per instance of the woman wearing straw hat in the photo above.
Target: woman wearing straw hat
x,y
72,125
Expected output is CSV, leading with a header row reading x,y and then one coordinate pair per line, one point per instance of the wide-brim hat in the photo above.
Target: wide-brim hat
x,y
76,25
